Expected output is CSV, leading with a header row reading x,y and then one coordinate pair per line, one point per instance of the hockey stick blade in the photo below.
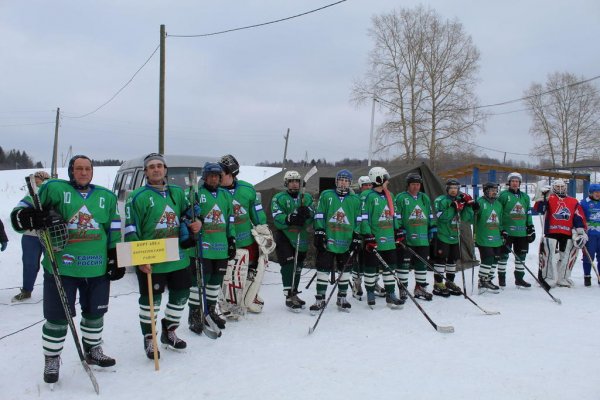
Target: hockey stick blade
x,y
444,329
88,370
212,331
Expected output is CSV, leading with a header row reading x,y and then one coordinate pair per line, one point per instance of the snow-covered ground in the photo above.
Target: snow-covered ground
x,y
535,349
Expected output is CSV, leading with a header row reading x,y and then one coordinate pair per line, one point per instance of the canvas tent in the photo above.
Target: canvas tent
x,y
325,177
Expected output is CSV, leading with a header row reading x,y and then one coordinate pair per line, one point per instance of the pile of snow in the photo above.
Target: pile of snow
x,y
535,349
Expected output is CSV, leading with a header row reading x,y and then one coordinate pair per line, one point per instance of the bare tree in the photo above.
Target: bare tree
x,y
422,73
565,115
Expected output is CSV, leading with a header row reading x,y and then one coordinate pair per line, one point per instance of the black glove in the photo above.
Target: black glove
x,y
458,205
295,219
399,237
113,271
30,218
474,205
303,211
504,235
231,248
530,233
320,240
355,244
370,243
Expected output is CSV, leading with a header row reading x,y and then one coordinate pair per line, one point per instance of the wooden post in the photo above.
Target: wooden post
x,y
54,167
152,324
161,93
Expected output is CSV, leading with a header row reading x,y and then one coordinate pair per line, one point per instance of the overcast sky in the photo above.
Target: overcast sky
x,y
239,92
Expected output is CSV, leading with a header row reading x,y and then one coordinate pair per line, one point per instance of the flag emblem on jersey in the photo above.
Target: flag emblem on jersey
x,y
68,259
562,214
339,217
238,210
493,218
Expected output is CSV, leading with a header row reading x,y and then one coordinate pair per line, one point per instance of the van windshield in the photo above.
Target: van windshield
x,y
179,175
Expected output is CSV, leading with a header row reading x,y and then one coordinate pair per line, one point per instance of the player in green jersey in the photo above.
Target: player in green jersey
x,y
364,185
218,242
379,229
337,222
292,217
518,225
413,211
451,209
250,219
91,225
156,211
488,235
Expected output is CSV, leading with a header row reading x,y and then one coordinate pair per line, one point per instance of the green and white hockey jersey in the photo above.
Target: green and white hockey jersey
x,y
282,205
378,220
447,219
247,212
488,220
516,212
414,216
151,214
216,212
339,217
93,225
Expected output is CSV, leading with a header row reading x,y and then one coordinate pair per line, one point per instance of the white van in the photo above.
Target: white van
x,y
130,175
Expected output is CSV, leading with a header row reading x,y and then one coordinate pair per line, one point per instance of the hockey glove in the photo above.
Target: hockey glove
x,y
465,198
400,237
29,218
356,242
474,205
370,243
295,219
231,248
580,238
458,205
320,240
3,246
113,271
530,234
304,211
504,235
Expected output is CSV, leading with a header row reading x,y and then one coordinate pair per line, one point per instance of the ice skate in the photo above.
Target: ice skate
x,y
169,338
393,302
421,293
343,304
318,306
96,357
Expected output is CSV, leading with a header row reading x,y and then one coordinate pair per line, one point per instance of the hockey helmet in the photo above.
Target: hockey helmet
x,y
340,187
559,188
450,183
594,187
413,178
229,165
211,168
378,175
364,180
490,190
514,175
291,176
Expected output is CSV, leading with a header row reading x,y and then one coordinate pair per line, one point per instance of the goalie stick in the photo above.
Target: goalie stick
x,y
439,328
45,238
587,254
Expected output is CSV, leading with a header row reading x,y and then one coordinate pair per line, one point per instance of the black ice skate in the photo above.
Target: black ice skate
x,y
439,289
149,347
485,285
318,306
95,356
51,368
521,283
169,338
453,288
421,293
392,301
343,304
212,313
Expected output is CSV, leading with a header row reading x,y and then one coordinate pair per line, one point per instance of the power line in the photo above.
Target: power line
x,y
26,124
120,90
261,24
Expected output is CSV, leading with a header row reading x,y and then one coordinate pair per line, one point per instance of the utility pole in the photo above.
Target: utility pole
x,y
371,134
286,137
53,168
161,93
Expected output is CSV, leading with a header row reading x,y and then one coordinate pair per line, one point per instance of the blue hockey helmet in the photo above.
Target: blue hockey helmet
x,y
343,187
211,168
594,187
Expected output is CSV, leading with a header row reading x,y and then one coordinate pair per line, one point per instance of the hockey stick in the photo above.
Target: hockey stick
x,y
439,328
335,285
311,281
307,176
587,253
430,267
462,265
152,320
209,327
46,239
544,286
